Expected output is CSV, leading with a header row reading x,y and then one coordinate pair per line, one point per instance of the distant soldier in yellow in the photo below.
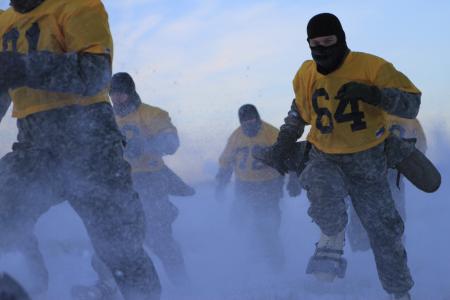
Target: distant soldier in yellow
x,y
258,188
56,59
150,135
409,129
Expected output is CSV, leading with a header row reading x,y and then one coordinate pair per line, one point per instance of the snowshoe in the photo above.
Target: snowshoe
x,y
327,262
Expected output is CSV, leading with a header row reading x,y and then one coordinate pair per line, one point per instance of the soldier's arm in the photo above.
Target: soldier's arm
x,y
165,143
5,102
293,127
85,66
83,74
162,137
226,162
223,176
290,132
399,96
400,103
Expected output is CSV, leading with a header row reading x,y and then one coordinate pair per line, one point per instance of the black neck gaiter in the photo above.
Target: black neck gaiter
x,y
329,59
251,129
128,107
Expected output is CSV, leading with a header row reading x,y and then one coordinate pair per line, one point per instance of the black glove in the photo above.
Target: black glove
x,y
293,186
12,70
277,156
291,159
274,157
222,178
359,91
133,148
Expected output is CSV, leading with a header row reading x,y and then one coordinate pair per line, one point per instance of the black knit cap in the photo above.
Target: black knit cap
x,y
248,112
325,24
122,83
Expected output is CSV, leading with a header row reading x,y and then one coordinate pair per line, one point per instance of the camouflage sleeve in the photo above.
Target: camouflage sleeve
x,y
224,175
226,162
82,74
293,126
400,103
166,143
161,135
228,156
5,102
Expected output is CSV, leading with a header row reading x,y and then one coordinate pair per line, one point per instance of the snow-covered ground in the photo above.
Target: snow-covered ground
x,y
222,267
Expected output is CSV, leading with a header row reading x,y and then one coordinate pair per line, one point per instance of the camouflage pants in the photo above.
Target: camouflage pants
x,y
396,149
330,178
75,154
153,190
160,213
357,235
257,209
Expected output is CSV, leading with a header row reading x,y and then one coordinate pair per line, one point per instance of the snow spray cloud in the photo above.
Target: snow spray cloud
x,y
223,263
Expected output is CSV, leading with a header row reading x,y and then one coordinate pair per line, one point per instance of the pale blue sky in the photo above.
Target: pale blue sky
x,y
201,60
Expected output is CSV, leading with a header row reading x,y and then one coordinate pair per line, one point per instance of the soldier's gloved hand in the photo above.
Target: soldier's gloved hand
x,y
359,91
272,157
293,186
133,148
219,193
277,155
12,70
222,179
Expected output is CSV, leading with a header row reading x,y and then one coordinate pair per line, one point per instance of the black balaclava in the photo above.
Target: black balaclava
x,y
249,112
24,6
124,83
328,59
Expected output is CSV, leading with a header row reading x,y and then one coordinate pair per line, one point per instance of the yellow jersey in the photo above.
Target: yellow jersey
x,y
58,26
144,123
408,128
238,154
340,126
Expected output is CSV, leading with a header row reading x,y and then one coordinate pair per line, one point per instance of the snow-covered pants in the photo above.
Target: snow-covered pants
x,y
257,209
160,214
356,233
75,153
330,178
153,190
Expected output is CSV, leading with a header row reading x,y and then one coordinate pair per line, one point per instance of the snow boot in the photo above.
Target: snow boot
x,y
327,262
